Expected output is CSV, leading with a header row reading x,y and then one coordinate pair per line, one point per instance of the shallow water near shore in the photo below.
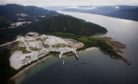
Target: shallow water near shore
x,y
93,67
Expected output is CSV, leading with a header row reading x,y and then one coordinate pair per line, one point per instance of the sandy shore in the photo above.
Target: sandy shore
x,y
18,78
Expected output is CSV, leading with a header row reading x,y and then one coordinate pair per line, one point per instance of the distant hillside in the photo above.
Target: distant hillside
x,y
12,13
59,23
11,10
53,22
124,12
67,24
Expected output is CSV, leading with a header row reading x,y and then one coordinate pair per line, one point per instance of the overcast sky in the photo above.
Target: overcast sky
x,y
44,3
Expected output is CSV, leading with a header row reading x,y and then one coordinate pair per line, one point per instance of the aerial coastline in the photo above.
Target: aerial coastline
x,y
29,44
34,43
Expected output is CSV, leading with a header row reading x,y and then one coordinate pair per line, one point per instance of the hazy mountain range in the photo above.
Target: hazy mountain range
x,y
120,11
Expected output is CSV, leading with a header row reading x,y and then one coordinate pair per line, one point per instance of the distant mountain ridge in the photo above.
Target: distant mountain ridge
x,y
120,11
12,13
12,9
